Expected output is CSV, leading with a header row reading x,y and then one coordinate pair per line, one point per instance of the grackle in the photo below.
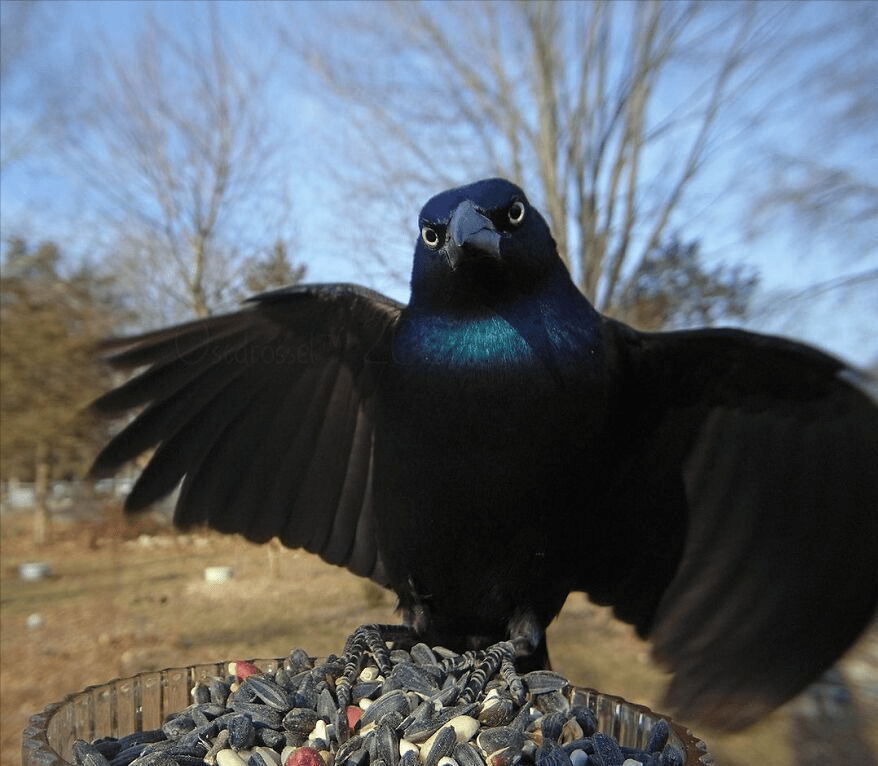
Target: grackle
x,y
497,443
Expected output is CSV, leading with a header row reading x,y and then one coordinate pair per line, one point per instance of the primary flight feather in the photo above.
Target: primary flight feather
x,y
497,443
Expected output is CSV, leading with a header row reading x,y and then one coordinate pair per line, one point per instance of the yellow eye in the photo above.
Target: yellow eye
x,y
430,237
516,213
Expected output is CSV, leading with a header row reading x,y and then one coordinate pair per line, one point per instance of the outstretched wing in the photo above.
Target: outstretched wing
x,y
755,463
266,415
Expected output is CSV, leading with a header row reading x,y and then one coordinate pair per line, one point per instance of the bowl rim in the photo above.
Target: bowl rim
x,y
37,750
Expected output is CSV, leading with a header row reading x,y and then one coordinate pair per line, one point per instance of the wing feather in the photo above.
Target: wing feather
x,y
265,415
343,534
776,453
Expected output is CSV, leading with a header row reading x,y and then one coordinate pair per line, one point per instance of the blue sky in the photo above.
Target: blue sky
x,y
38,198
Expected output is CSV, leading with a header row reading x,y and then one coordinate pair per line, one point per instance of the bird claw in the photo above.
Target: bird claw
x,y
484,664
372,640
368,640
513,681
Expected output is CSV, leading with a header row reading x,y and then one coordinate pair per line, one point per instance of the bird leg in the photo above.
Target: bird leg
x,y
528,637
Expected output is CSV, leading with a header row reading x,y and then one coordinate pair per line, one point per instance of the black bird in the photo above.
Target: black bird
x,y
497,443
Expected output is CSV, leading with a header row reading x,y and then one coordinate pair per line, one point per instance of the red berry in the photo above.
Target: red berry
x,y
243,669
355,712
304,756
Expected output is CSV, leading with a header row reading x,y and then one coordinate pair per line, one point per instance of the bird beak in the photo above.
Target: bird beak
x,y
471,231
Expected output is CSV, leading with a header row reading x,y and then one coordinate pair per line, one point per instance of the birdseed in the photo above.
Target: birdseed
x,y
423,707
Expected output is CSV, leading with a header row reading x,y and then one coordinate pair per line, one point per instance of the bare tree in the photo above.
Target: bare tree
x,y
179,143
26,34
606,112
826,178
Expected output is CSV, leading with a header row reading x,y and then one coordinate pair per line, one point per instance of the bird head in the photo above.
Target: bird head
x,y
480,245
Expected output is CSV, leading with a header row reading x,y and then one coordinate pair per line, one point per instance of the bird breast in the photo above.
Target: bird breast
x,y
461,345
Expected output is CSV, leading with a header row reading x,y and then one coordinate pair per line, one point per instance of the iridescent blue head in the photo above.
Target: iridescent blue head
x,y
481,245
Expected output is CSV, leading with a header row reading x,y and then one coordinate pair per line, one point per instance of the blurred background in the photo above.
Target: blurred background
x,y
699,163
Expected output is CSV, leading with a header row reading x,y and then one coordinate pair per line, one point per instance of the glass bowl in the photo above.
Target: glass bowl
x,y
142,702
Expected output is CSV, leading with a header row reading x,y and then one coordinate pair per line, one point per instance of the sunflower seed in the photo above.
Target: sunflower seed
x,y
86,754
268,691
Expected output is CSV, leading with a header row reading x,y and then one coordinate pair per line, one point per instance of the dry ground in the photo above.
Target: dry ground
x,y
115,606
